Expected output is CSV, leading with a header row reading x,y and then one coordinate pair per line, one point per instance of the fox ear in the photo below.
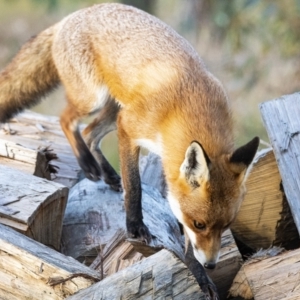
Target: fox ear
x,y
241,158
195,165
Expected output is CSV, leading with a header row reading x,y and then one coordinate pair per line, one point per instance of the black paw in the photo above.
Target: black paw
x,y
138,230
90,167
210,291
114,182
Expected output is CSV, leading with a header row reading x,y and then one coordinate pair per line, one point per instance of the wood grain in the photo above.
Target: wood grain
x,y
30,270
265,209
95,213
35,131
160,276
281,118
270,275
32,205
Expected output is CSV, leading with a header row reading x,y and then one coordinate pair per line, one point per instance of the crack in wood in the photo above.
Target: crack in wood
x,y
52,281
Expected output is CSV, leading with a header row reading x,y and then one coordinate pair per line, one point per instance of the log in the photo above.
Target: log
x,y
35,162
32,205
30,270
117,255
281,118
160,276
32,131
270,221
95,213
269,274
162,224
152,173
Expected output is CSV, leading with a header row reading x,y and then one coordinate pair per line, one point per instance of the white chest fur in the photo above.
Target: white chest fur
x,y
154,146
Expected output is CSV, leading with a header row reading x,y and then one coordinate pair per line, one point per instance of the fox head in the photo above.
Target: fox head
x,y
208,195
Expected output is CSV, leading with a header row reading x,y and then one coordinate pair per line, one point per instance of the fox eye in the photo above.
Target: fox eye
x,y
199,225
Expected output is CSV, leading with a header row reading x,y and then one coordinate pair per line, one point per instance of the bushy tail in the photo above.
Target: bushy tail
x,y
30,75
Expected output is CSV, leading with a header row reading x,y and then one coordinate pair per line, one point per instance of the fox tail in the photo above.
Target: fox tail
x,y
30,75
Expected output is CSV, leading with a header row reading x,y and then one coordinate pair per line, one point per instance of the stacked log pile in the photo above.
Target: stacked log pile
x,y
61,238
273,210
265,218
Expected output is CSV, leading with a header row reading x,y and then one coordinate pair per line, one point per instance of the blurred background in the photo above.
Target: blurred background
x,y
252,46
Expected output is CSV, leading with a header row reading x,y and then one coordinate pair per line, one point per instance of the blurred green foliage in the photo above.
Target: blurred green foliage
x,y
271,21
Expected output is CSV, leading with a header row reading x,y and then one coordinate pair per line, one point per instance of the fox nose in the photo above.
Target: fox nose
x,y
210,265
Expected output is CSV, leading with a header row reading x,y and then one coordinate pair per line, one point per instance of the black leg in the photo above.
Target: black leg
x,y
129,156
104,123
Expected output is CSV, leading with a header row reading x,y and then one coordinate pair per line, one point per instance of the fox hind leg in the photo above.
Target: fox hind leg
x,y
69,123
104,123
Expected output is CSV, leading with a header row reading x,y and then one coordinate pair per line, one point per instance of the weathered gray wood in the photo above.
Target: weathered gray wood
x,y
32,205
270,221
151,172
35,131
162,224
94,214
269,275
160,276
35,162
117,255
281,118
30,270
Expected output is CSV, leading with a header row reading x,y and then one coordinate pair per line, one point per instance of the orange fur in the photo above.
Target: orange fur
x,y
167,99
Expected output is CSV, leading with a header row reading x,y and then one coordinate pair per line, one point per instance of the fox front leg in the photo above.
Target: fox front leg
x,y
129,159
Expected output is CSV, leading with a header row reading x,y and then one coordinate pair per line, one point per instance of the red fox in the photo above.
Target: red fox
x,y
146,81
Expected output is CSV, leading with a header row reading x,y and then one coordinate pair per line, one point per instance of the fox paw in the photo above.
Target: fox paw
x,y
210,292
90,167
114,182
92,174
138,230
